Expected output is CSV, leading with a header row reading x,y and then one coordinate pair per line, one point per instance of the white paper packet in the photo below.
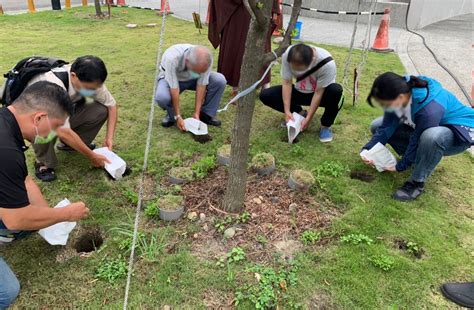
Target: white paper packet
x,y
58,234
195,126
117,165
381,156
294,127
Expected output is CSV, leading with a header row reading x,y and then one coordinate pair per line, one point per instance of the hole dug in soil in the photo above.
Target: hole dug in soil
x,y
362,175
202,138
89,240
413,249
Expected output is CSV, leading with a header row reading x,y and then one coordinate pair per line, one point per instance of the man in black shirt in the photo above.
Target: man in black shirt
x,y
34,117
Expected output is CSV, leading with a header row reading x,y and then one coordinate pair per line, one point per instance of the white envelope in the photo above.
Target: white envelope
x,y
58,234
294,127
117,165
381,156
195,126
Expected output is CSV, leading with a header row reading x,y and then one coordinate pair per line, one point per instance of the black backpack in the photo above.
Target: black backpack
x,y
24,71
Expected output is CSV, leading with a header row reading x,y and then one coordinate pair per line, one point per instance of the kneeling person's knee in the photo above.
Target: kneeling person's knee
x,y
9,291
218,80
163,98
334,89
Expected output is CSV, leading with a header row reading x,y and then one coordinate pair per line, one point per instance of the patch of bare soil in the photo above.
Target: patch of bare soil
x,y
277,214
362,175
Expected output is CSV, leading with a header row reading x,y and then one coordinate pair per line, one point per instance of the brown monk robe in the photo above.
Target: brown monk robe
x,y
229,23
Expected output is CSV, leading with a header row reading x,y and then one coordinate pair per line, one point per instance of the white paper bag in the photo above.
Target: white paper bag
x,y
381,156
117,165
294,127
58,234
195,126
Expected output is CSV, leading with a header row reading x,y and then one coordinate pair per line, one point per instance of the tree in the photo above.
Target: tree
x,y
252,64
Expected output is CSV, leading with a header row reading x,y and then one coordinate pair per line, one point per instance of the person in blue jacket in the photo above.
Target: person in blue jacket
x,y
422,122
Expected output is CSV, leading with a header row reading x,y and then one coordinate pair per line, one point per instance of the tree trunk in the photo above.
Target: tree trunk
x,y
98,9
250,72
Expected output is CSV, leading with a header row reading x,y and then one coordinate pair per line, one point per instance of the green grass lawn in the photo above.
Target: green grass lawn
x,y
337,275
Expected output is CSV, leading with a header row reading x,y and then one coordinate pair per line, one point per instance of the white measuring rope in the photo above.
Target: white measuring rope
x,y
145,160
251,88
345,78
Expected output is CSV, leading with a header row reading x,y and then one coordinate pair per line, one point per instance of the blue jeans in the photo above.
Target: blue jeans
x,y
215,89
9,285
434,143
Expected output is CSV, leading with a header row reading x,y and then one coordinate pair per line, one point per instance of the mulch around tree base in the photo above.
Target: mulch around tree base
x,y
277,214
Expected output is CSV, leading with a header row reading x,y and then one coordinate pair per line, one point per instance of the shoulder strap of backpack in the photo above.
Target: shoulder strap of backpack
x,y
314,69
64,77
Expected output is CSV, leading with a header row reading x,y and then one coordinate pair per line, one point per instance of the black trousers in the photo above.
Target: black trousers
x,y
273,98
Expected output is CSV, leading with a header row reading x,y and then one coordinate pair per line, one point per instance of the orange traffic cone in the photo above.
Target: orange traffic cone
x,y
381,40
165,7
67,4
279,21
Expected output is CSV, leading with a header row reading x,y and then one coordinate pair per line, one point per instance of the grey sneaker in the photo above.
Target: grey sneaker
x,y
409,191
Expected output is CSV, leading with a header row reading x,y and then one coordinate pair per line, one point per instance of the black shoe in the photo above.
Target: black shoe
x,y
167,121
409,191
210,120
43,173
460,293
66,148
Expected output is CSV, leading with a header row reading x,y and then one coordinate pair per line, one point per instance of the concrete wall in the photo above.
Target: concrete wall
x,y
422,12
426,12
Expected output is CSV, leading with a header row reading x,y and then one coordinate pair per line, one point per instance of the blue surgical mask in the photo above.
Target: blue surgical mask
x,y
84,92
194,75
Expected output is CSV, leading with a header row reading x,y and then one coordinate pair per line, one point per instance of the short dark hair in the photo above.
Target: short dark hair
x,y
301,54
89,69
389,85
45,96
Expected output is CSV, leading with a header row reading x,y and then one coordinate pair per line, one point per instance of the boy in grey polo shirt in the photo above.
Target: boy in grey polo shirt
x,y
188,67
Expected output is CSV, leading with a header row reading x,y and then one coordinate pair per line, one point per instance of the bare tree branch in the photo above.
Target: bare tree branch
x,y
258,13
295,12
247,6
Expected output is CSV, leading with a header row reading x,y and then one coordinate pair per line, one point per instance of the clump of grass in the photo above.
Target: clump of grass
x,y
310,237
303,177
151,209
383,262
262,161
170,202
203,166
224,150
356,239
183,173
111,270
